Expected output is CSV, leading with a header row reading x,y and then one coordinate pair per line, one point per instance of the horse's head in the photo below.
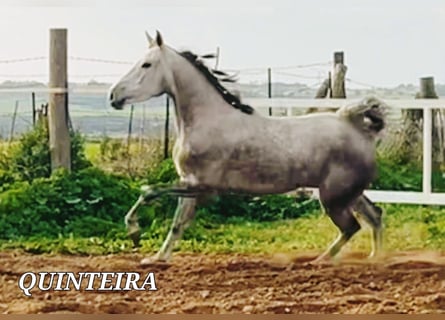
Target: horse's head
x,y
146,79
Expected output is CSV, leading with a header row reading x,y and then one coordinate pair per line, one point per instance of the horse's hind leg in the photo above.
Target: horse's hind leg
x,y
338,193
185,212
372,214
344,219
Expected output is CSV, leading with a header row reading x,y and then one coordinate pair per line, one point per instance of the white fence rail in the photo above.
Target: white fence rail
x,y
424,197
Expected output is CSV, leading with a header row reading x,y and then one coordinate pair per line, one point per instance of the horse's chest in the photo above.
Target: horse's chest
x,y
196,161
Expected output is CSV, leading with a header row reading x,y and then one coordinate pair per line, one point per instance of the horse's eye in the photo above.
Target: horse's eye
x,y
146,65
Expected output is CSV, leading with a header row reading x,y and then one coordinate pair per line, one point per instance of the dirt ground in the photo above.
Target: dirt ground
x,y
411,282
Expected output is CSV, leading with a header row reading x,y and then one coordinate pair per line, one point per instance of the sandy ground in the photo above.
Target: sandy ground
x,y
410,282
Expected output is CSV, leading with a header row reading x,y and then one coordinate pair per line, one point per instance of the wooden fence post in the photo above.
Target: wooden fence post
x,y
130,130
14,116
323,90
33,102
269,87
428,91
333,86
130,126
413,119
338,78
330,84
166,129
59,137
142,128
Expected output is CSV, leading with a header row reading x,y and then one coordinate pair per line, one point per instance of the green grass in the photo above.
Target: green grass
x,y
92,151
407,228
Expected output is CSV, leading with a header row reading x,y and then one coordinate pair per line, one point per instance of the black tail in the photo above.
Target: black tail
x,y
368,115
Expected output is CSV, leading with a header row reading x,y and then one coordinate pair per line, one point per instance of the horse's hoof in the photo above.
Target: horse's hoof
x,y
135,236
153,262
375,257
321,260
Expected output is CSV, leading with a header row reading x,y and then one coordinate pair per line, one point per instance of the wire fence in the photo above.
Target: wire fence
x,y
88,113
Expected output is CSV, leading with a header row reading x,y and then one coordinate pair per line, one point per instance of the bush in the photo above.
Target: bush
x,y
29,158
84,203
132,157
164,172
395,174
258,208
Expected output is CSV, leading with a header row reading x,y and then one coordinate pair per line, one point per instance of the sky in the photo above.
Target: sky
x,y
386,43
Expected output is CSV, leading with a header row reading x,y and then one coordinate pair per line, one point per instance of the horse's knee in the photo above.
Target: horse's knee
x,y
352,229
369,211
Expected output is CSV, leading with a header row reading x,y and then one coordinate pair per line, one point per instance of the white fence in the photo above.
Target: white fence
x,y
424,197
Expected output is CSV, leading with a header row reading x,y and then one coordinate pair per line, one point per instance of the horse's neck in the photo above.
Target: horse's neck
x,y
194,97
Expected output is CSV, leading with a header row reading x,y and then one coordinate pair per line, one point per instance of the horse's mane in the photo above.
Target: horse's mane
x,y
210,75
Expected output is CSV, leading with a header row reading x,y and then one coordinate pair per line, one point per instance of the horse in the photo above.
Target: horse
x,y
226,146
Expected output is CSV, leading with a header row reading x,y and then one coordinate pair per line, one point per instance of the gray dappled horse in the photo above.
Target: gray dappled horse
x,y
224,145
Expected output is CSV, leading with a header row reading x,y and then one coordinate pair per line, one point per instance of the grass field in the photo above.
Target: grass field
x,y
406,228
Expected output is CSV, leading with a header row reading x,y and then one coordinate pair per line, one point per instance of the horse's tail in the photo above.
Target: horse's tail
x,y
368,115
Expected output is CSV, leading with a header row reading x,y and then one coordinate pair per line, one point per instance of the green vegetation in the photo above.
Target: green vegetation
x,y
407,228
29,158
82,212
395,173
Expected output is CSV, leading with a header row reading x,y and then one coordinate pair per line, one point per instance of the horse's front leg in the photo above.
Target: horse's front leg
x,y
149,193
131,222
184,214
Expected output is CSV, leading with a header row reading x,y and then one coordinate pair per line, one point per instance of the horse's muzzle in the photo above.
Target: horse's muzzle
x,y
118,104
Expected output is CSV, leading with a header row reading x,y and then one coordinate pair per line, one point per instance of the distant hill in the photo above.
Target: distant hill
x,y
8,84
259,90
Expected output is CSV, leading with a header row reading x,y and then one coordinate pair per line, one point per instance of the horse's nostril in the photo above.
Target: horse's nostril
x,y
111,96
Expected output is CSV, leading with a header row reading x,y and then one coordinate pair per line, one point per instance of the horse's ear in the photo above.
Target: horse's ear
x,y
159,40
149,38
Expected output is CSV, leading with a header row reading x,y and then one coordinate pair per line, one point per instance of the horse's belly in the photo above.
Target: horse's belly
x,y
258,178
